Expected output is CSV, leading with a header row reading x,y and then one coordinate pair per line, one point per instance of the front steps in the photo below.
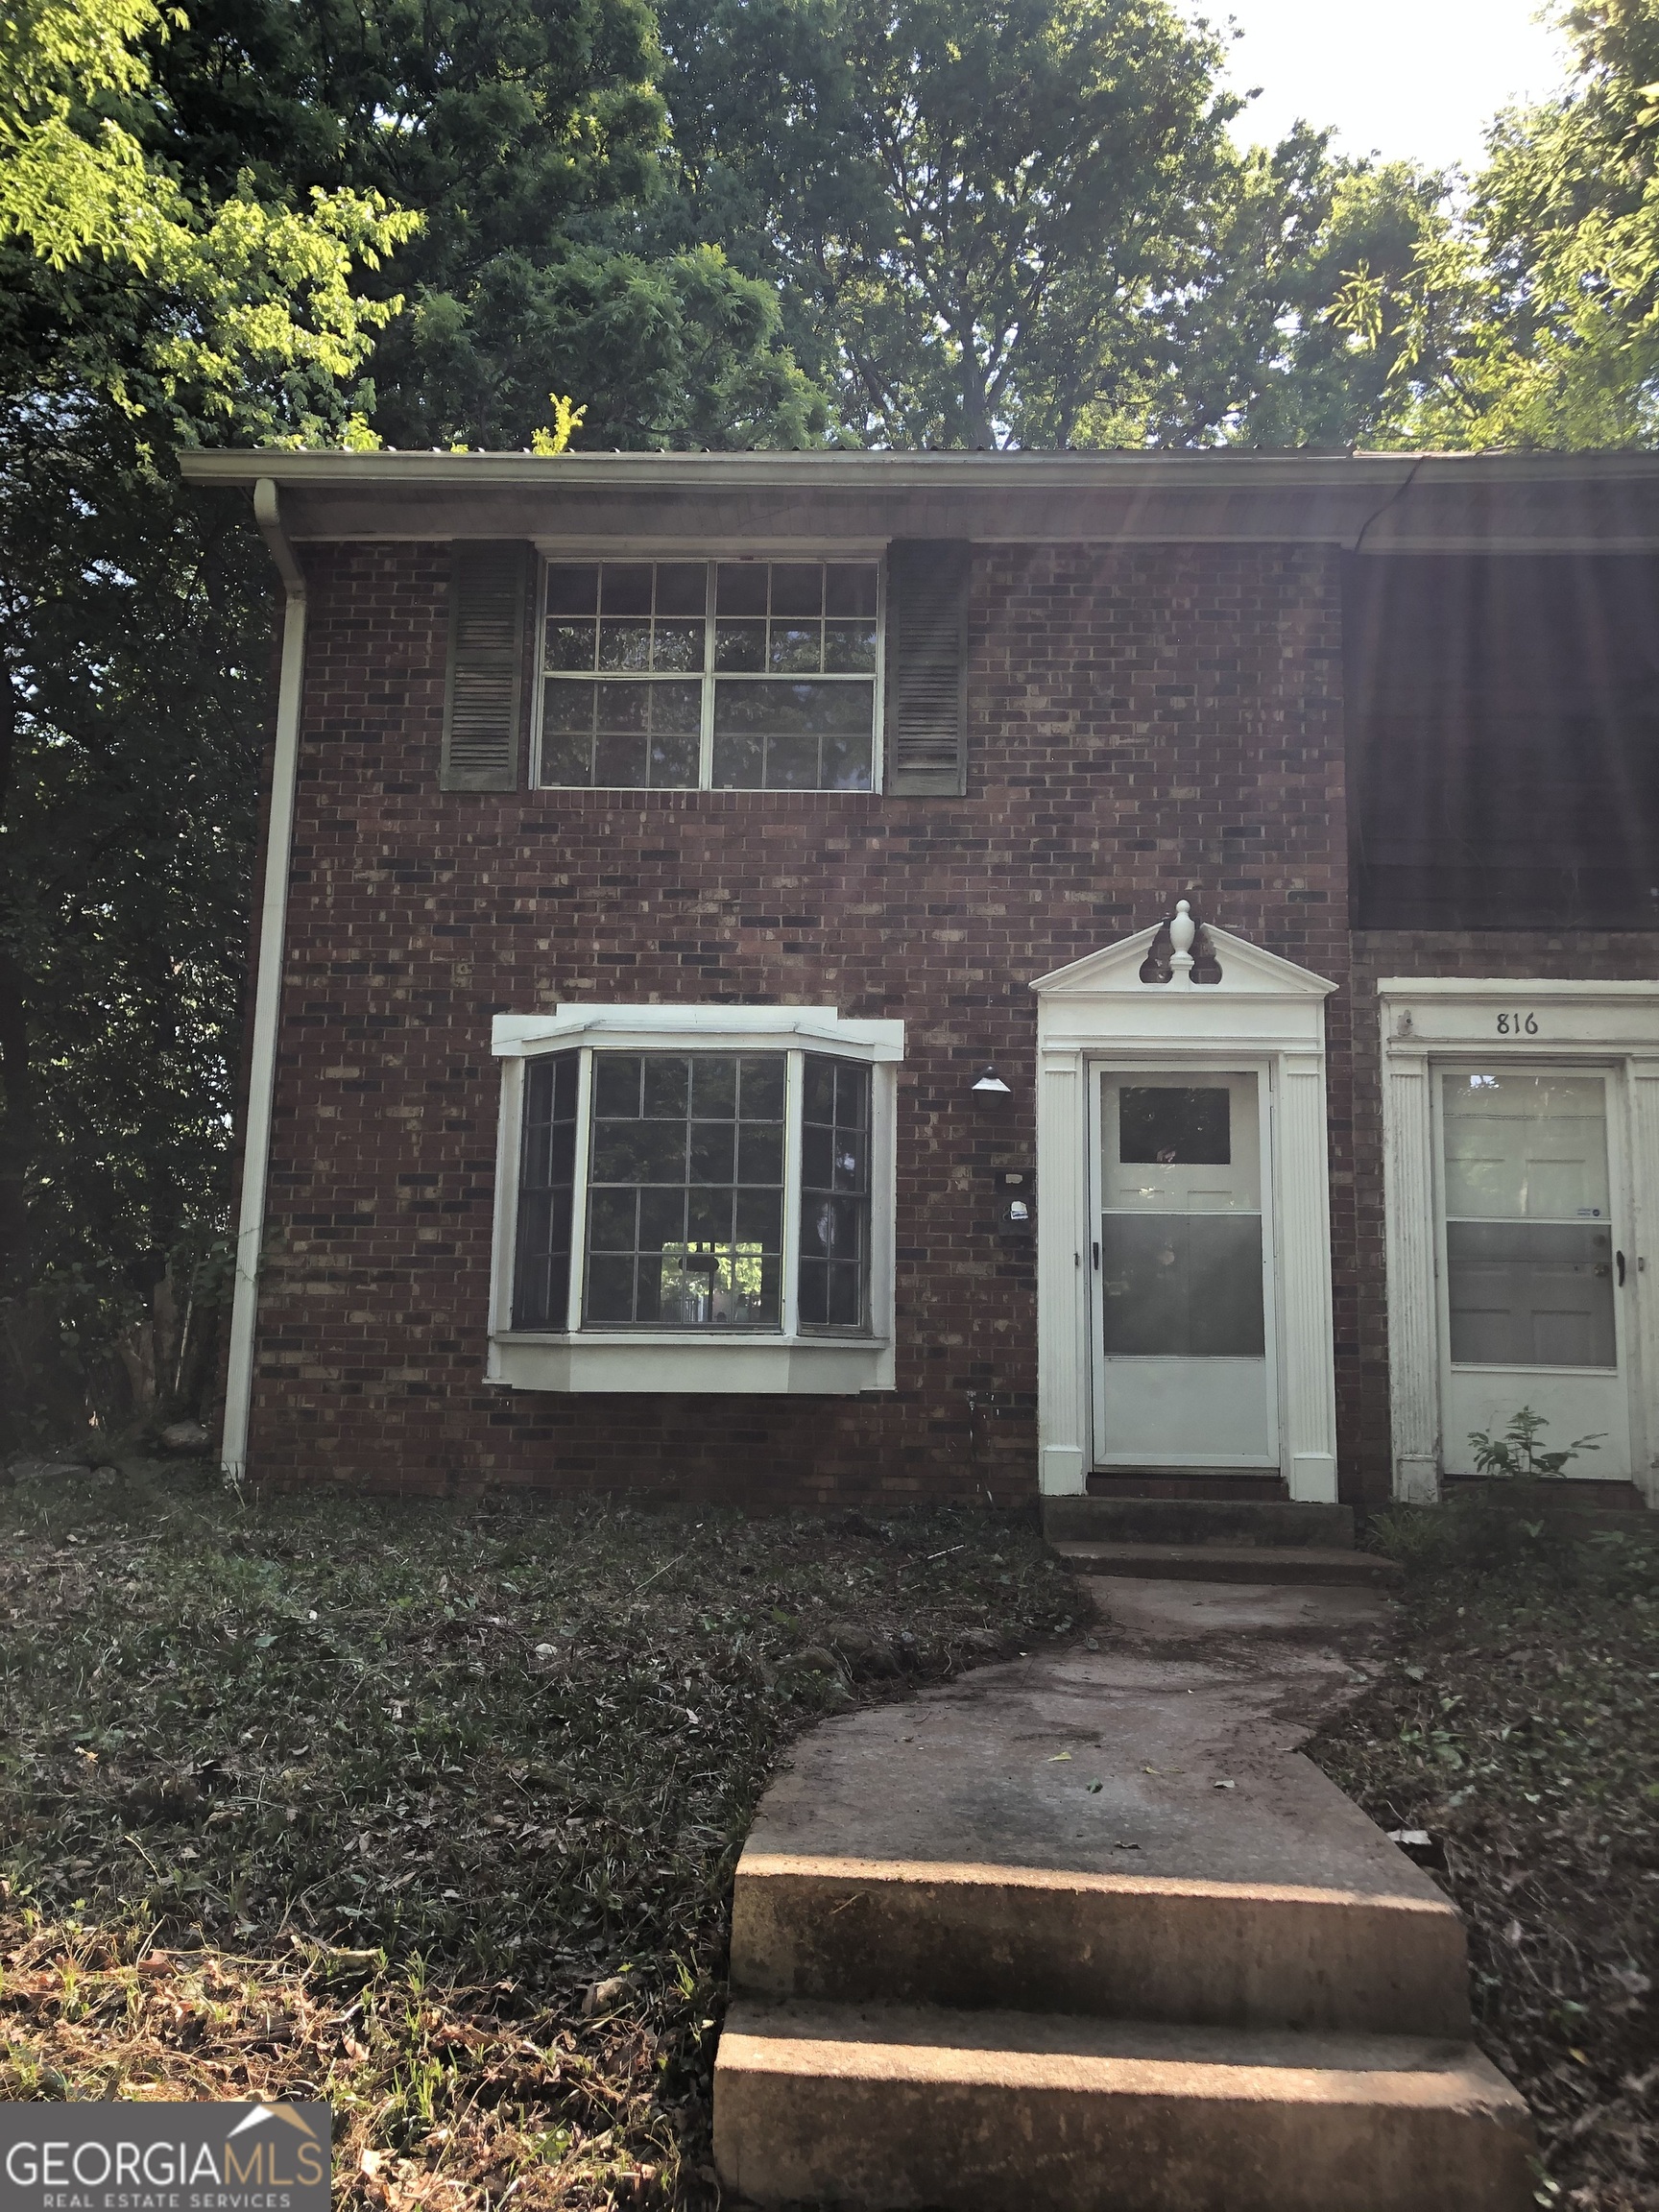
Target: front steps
x,y
1232,1563
1088,1934
912,2108
1212,1539
1262,1522
1378,1957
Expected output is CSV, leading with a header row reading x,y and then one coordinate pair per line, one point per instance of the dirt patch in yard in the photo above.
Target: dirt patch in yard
x,y
1518,1726
429,1811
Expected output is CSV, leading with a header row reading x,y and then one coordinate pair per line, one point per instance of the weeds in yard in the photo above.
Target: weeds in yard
x,y
430,1810
1518,1454
1519,1726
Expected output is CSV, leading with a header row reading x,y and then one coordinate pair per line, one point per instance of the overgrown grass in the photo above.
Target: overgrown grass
x,y
1519,1726
430,1810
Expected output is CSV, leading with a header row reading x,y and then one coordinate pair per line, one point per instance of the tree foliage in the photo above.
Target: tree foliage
x,y
237,289
530,137
136,313
134,615
973,213
1260,356
1532,316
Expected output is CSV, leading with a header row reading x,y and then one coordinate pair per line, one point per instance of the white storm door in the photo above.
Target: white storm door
x,y
1182,1268
1533,1254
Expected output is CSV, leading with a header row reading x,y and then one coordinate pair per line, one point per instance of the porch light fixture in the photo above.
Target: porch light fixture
x,y
989,1080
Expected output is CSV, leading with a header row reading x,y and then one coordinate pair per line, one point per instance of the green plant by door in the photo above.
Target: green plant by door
x,y
1517,1453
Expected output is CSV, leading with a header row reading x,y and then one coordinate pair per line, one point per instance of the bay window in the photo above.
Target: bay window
x,y
695,1198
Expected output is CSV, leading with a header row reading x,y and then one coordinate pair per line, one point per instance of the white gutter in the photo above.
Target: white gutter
x,y
267,987
1215,469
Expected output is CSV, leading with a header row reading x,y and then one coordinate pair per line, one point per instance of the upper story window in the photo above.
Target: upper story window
x,y
710,674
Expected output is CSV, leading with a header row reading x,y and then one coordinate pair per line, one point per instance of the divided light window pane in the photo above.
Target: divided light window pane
x,y
547,1175
834,1283
685,1191
685,1214
775,659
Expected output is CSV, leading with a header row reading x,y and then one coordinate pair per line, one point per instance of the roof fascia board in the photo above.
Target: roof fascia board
x,y
775,472
627,501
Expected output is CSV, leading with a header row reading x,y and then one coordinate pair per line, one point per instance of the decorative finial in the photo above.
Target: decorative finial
x,y
1182,931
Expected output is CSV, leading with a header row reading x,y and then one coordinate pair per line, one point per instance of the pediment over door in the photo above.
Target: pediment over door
x,y
1260,999
1246,970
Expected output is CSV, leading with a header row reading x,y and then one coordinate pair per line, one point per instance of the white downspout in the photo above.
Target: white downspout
x,y
267,987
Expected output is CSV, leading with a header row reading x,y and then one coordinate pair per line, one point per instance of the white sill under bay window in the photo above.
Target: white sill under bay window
x,y
695,1200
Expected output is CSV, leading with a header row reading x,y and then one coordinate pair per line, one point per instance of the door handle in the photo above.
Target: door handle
x,y
1620,1257
1097,1259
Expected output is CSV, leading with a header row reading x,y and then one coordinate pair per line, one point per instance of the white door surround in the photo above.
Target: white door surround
x,y
1432,1022
1266,1011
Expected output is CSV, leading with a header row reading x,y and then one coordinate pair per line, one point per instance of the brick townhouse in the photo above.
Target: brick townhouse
x,y
805,979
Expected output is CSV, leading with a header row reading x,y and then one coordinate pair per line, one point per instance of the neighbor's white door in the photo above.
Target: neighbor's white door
x,y
1182,1266
1533,1256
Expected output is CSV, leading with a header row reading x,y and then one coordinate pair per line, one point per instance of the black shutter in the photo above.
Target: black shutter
x,y
485,684
926,681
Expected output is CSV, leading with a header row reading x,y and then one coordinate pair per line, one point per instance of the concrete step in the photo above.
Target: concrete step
x,y
893,2109
1564,1512
1232,1563
1383,1955
1264,1521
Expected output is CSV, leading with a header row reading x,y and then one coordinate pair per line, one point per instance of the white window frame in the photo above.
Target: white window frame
x,y
549,556
788,1359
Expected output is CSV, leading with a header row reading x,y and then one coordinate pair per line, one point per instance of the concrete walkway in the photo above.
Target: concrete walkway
x,y
1087,1931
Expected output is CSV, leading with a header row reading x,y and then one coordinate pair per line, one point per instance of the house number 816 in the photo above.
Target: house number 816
x,y
1517,1024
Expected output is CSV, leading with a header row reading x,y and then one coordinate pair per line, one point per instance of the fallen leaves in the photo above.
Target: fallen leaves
x,y
363,1801
1513,1750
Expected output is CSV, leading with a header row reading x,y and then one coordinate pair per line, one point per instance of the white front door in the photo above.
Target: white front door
x,y
1182,1266
1533,1255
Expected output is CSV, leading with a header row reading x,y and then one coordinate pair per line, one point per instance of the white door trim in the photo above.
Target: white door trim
x,y
1426,1019
1264,1011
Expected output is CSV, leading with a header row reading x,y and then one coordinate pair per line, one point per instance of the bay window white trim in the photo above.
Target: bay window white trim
x,y
705,1030
789,1359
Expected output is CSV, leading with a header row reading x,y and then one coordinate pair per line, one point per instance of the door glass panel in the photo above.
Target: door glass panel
x,y
1171,1147
1184,1127
1524,1148
1181,1219
1529,1243
1182,1286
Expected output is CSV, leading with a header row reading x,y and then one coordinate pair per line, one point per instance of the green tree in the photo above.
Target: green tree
x,y
133,614
1262,354
1533,319
233,289
976,215
134,312
531,137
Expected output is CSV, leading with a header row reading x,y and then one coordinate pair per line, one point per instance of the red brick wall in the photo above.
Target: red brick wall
x,y
1598,955
1146,724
